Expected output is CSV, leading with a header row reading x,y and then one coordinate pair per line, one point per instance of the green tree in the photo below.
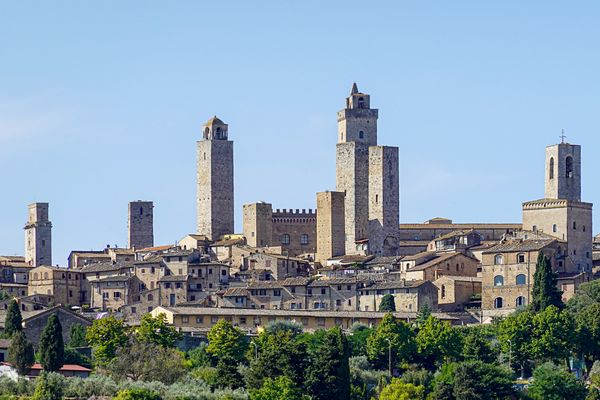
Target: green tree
x,y
105,336
477,345
77,336
295,327
398,390
14,321
555,383
51,346
4,295
438,342
280,388
20,353
279,353
328,375
473,380
49,386
156,330
359,333
198,357
587,321
224,340
545,292
515,336
137,394
423,313
394,333
553,335
146,361
587,294
387,304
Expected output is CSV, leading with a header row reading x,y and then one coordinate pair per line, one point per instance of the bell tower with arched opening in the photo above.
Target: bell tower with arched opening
x,y
563,172
214,179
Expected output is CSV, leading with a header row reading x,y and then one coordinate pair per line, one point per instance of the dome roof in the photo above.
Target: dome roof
x,y
214,121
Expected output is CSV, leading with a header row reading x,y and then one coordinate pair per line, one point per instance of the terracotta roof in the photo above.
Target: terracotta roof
x,y
64,368
419,255
461,278
174,278
103,267
455,226
228,242
156,248
452,234
236,291
116,278
396,284
435,261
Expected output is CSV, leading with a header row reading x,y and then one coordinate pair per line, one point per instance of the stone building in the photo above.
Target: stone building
x,y
295,231
215,181
430,266
66,285
408,295
561,213
508,270
38,236
140,222
455,292
330,226
367,174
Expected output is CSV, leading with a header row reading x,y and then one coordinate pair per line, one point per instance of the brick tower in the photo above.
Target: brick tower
x,y
38,236
140,233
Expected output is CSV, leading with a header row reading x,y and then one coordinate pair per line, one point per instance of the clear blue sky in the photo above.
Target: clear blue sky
x,y
101,103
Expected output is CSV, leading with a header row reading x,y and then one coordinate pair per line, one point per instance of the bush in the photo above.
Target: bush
x,y
49,386
137,394
21,387
93,386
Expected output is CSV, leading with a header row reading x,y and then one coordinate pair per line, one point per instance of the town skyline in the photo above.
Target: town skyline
x,y
473,131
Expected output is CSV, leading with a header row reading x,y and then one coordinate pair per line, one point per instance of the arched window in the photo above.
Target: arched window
x,y
443,291
569,167
551,168
285,239
361,135
361,102
35,276
521,279
498,259
498,280
206,132
304,238
141,211
554,228
45,275
520,302
150,297
498,302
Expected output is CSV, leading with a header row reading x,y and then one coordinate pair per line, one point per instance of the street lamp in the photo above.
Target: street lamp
x,y
509,353
255,349
389,355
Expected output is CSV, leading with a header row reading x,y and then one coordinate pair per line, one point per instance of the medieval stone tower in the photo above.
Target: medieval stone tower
x,y
258,224
38,236
367,174
330,226
140,232
561,213
215,181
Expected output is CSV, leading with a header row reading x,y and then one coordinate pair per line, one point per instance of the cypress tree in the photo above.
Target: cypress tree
x,y
545,292
387,304
14,320
51,345
20,353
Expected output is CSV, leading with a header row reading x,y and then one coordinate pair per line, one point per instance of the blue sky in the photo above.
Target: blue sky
x,y
101,103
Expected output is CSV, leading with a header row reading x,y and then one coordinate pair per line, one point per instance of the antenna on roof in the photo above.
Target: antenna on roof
x,y
562,136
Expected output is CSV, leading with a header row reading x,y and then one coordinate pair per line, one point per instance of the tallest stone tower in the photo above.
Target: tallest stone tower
x,y
357,130
215,181
38,236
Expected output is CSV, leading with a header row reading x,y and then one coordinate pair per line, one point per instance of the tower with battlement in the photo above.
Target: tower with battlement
x,y
140,224
214,179
561,213
38,236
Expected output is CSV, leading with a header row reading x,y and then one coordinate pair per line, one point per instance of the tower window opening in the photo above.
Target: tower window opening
x,y
361,135
376,198
141,211
554,228
551,168
361,102
569,167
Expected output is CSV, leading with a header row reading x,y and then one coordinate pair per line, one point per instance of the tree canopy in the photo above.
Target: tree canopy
x,y
51,346
13,321
387,303
545,292
106,335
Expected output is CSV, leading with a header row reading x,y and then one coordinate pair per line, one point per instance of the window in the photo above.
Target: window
x,y
348,287
323,290
210,271
554,228
43,243
70,293
150,297
520,302
521,258
117,295
338,302
224,272
214,319
521,279
551,168
277,292
185,319
133,310
534,228
498,259
498,280
321,321
167,285
105,295
178,285
285,239
309,291
243,320
141,211
574,225
304,239
569,167
443,291
376,198
498,302
199,320
361,102
361,135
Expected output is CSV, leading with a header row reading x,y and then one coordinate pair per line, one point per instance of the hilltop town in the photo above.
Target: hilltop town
x,y
326,267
